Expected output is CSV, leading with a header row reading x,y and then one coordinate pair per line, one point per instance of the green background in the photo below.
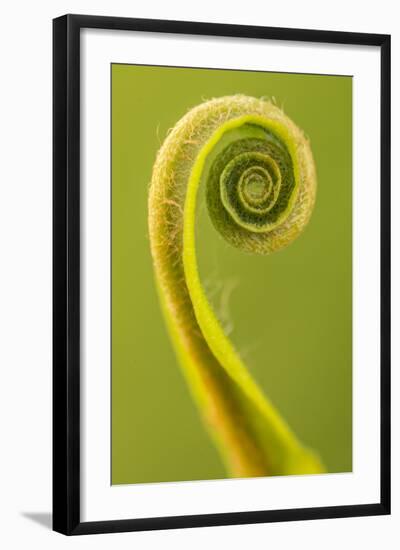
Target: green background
x,y
288,314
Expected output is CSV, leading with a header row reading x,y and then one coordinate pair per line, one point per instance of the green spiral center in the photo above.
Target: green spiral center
x,y
255,186
249,188
250,183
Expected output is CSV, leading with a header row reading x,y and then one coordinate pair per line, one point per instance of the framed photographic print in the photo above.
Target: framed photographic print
x,y
221,274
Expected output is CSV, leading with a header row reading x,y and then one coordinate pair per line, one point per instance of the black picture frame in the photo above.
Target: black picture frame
x,y
66,273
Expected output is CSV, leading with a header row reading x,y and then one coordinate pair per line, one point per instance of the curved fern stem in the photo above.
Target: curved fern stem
x,y
259,174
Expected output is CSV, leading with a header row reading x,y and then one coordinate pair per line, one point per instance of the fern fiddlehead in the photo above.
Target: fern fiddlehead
x,y
260,181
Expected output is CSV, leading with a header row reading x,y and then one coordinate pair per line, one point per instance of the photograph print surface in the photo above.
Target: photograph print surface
x,y
231,274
